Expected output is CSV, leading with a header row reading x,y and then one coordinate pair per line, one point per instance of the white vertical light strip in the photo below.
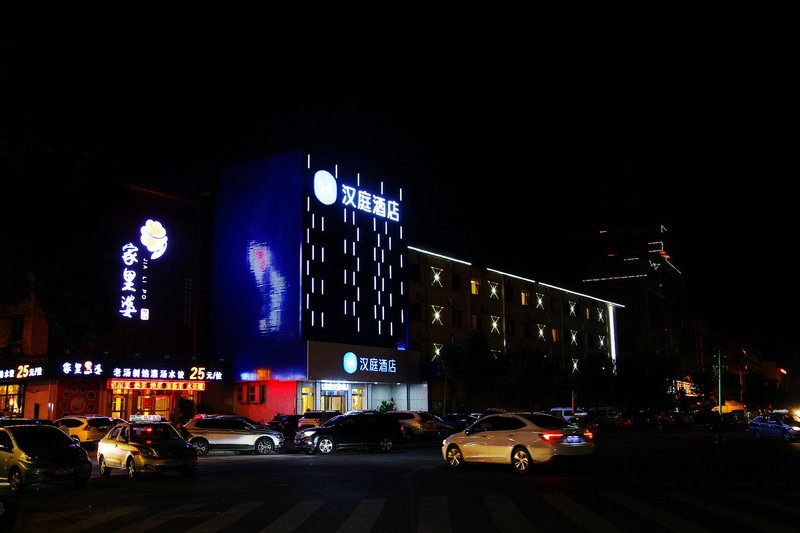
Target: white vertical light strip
x,y
381,188
308,235
358,324
379,298
374,254
383,256
354,278
307,267
354,247
374,283
401,232
312,285
390,272
383,284
379,240
345,247
323,254
312,318
308,161
322,223
307,300
391,300
390,242
336,171
401,194
358,179
313,220
379,269
358,234
401,261
391,329
612,335
344,215
386,227
358,294
345,276
383,312
313,252
308,203
322,319
354,308
353,217
374,312
358,264
379,328
374,225
345,307
402,289
322,286
402,316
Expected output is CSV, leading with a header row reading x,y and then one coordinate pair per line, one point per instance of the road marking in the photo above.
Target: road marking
x,y
580,515
158,519
92,520
752,498
433,516
506,515
294,517
226,518
646,510
363,517
759,523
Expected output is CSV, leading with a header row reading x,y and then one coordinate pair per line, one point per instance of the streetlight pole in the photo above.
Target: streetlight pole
x,y
718,367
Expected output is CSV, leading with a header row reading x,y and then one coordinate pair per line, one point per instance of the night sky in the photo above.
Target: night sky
x,y
494,145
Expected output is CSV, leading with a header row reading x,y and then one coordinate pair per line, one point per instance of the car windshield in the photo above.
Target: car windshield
x,y
152,433
39,436
335,421
546,421
98,422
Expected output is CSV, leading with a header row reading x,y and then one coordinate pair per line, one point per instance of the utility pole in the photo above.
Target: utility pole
x,y
718,368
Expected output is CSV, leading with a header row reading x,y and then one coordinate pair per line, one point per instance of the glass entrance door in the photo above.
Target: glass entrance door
x,y
334,403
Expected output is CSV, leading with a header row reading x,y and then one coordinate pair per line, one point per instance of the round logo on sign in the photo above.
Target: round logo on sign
x,y
325,187
350,362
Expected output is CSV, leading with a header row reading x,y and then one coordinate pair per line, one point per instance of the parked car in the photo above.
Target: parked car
x,y
455,422
12,421
316,418
40,453
89,429
145,444
521,440
286,424
357,430
228,433
417,424
783,426
567,414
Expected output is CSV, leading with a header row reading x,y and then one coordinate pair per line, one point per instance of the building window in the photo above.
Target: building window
x,y
588,314
240,393
475,285
437,276
554,334
456,279
495,324
475,322
539,301
493,290
456,318
524,298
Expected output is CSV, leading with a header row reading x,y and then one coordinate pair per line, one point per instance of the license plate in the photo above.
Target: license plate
x,y
172,462
63,471
573,439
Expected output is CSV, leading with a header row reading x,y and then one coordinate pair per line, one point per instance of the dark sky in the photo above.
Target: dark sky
x,y
496,145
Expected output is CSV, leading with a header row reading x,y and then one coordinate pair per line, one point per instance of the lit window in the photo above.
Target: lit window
x,y
554,333
588,313
475,321
524,297
475,285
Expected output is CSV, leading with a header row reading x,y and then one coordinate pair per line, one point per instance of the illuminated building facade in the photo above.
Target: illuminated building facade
x,y
449,298
310,288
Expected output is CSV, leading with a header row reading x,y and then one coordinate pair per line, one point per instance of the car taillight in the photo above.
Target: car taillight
x,y
551,438
588,434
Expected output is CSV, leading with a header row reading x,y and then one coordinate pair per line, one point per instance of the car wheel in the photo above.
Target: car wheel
x,y
787,437
105,471
454,457
201,445
264,446
521,460
131,468
757,435
325,445
385,444
15,480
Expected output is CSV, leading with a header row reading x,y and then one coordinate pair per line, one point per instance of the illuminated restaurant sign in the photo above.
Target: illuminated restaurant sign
x,y
85,368
21,372
195,373
134,286
155,385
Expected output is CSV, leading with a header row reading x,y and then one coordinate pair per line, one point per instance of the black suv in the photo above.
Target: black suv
x,y
356,430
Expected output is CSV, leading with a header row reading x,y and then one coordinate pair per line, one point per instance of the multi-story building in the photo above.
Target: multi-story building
x,y
449,298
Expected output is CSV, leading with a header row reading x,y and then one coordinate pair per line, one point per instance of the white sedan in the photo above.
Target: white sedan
x,y
520,439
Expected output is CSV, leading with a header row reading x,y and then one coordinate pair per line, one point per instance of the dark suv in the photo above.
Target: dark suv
x,y
231,433
356,430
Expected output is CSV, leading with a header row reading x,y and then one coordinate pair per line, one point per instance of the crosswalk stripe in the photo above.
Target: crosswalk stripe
x,y
753,499
363,516
506,515
759,523
93,520
579,514
291,519
158,519
433,516
647,510
215,523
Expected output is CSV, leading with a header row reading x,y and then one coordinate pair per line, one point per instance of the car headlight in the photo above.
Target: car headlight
x,y
144,451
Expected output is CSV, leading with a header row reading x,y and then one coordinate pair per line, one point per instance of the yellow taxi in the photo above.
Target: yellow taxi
x,y
145,444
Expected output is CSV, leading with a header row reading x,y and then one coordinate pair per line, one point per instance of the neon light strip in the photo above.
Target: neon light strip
x,y
616,277
631,259
439,255
581,294
612,334
673,266
511,275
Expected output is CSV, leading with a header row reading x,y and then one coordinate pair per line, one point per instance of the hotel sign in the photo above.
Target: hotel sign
x,y
327,192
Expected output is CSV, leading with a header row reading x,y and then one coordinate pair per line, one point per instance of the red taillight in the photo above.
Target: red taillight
x,y
551,438
588,434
